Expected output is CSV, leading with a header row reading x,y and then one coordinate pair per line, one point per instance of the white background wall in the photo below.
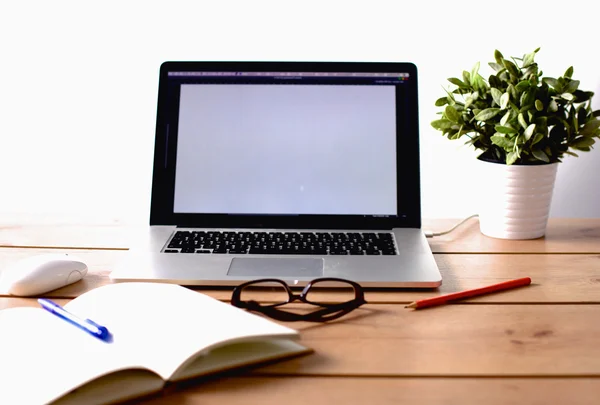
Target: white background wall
x,y
78,84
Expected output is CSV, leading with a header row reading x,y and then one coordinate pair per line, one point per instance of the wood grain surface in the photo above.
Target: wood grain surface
x,y
365,391
532,345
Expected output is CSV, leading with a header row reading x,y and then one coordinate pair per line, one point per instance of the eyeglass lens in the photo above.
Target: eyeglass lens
x,y
330,292
268,293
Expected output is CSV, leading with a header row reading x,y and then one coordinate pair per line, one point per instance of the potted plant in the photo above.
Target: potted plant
x,y
523,124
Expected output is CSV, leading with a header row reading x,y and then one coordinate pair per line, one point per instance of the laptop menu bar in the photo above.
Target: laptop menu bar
x,y
302,74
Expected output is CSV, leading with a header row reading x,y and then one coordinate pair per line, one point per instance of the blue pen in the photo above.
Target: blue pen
x,y
87,325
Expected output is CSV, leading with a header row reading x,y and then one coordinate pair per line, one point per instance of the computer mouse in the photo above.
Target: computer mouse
x,y
42,273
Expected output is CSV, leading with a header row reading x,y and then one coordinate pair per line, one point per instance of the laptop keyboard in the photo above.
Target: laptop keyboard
x,y
296,243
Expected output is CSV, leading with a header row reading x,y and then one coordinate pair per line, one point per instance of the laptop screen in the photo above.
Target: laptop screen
x,y
307,144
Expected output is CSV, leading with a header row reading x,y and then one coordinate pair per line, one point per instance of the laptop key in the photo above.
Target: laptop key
x,y
238,251
220,249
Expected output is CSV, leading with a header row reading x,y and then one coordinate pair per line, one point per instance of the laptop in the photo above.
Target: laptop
x,y
288,170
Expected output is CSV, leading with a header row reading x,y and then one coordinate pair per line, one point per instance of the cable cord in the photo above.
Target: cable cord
x,y
430,234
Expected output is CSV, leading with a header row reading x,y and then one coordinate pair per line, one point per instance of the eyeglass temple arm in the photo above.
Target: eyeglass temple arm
x,y
284,315
336,311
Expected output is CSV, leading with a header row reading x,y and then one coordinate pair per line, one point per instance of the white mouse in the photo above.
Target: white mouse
x,y
42,273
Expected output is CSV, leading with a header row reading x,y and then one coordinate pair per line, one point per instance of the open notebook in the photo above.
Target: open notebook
x,y
161,333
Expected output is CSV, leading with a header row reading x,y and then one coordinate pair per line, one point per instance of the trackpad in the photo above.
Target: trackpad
x,y
276,267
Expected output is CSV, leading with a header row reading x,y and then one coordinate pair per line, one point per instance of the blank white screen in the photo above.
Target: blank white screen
x,y
286,149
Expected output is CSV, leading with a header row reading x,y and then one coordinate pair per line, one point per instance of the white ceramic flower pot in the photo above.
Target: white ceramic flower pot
x,y
515,200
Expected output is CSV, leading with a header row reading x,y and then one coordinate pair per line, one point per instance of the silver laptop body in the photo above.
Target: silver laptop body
x,y
289,170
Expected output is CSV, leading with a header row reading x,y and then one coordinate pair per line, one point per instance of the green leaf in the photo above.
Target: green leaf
x,y
474,73
496,94
590,128
540,155
466,76
528,59
452,114
494,81
498,56
512,157
457,82
552,82
519,141
569,72
553,106
442,124
542,122
511,67
584,148
503,142
531,73
513,93
479,83
505,130
521,119
573,117
523,85
582,96
496,66
441,101
582,142
572,86
505,118
568,152
567,96
537,137
504,99
529,131
539,105
487,114
469,99
527,98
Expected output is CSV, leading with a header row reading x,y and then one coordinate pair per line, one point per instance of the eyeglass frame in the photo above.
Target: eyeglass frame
x,y
328,312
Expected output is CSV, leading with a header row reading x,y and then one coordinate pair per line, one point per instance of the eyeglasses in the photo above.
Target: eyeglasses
x,y
347,297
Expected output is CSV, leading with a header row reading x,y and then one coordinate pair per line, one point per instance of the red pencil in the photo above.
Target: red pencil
x,y
442,299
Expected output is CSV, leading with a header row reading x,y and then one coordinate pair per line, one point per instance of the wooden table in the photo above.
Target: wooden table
x,y
533,345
